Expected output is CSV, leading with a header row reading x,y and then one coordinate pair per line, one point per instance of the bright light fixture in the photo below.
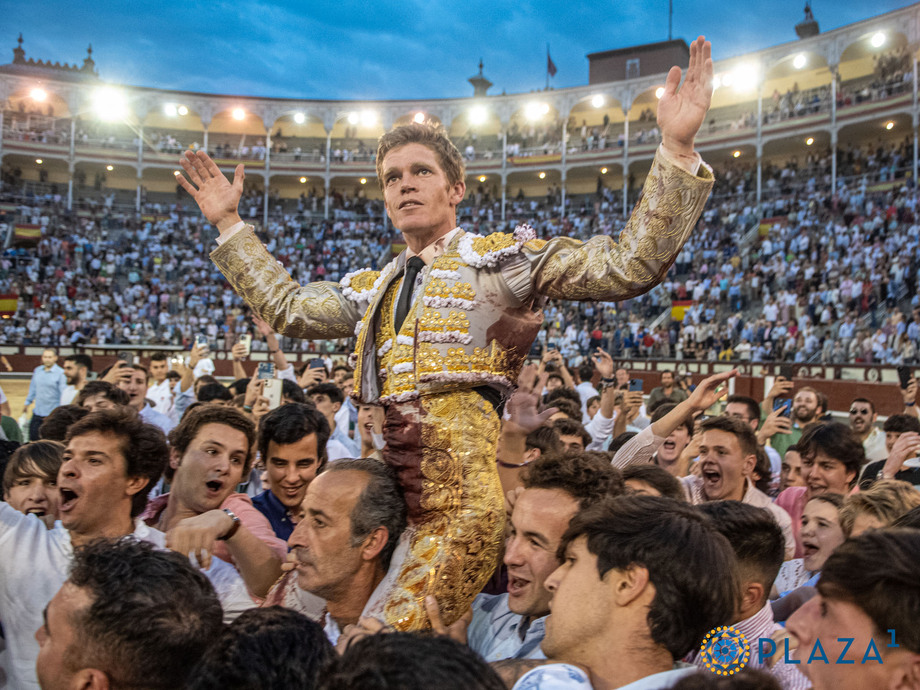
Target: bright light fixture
x,y
39,161
238,114
110,104
878,39
534,111
482,178
303,180
799,61
299,118
368,118
363,180
736,154
352,118
597,101
478,115
419,118
743,78
170,110
183,110
809,141
889,125
110,168
659,92
542,175
603,171
38,95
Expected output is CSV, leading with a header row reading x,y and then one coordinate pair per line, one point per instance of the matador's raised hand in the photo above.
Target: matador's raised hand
x,y
217,198
681,113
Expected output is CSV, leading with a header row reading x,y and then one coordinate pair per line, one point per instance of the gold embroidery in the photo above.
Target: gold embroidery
x,y
364,281
494,242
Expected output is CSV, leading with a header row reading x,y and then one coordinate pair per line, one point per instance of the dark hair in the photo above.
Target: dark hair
x,y
143,446
107,390
910,519
210,392
181,437
901,423
656,477
430,135
272,648
752,406
545,438
410,661
141,368
746,679
292,391
867,402
663,408
586,371
381,504
877,572
755,537
690,565
151,617
290,423
205,379
159,357
585,478
80,360
742,431
620,441
551,399
568,408
838,442
763,472
239,386
330,390
569,427
55,426
35,459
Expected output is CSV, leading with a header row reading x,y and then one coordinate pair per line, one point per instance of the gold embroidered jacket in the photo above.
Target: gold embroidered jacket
x,y
480,303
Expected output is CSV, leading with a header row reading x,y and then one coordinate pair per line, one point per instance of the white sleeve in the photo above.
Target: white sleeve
x,y
2,396
600,428
637,450
554,677
231,231
286,374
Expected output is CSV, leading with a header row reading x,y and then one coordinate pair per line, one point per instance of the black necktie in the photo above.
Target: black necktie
x,y
413,266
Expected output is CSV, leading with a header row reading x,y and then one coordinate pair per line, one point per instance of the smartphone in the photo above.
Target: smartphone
x,y
635,385
202,342
316,363
786,371
905,375
266,371
551,346
176,361
246,340
272,391
783,403
126,357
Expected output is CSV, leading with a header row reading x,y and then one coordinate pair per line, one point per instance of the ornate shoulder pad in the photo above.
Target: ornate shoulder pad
x,y
479,251
362,285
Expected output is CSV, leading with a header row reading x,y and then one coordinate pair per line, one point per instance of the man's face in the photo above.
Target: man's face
x,y
418,197
581,607
34,494
56,638
347,386
325,558
93,485
94,403
136,388
622,377
637,486
804,407
838,624
338,376
538,522
370,421
667,379
741,411
572,444
48,359
325,405
820,533
210,468
791,470
674,445
823,474
291,467
71,372
553,383
861,417
592,408
158,370
724,467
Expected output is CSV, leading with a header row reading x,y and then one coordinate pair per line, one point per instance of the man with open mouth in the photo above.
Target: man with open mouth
x,y
30,479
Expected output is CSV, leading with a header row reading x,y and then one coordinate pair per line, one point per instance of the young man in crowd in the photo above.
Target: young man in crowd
x,y
117,588
511,625
902,442
328,399
101,395
866,612
210,452
45,390
292,445
784,429
136,387
643,580
30,479
667,392
370,429
862,422
76,372
748,411
160,389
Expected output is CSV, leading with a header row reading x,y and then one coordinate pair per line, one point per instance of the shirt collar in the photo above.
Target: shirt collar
x,y
435,249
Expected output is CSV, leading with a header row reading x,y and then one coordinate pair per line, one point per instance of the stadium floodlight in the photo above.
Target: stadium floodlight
x,y
300,118
183,110
716,82
170,110
534,111
878,39
368,118
659,92
743,77
353,118
419,117
799,61
38,95
809,141
238,114
598,101
110,104
478,115
542,175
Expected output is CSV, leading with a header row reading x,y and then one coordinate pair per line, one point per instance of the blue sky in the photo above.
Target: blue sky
x,y
412,49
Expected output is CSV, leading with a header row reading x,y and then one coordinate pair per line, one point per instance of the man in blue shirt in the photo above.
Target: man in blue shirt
x,y
292,445
45,390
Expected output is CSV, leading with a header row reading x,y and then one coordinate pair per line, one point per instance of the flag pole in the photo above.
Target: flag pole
x,y
547,67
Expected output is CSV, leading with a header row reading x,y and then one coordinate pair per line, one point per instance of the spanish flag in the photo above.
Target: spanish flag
x,y
764,229
8,305
396,248
679,308
26,234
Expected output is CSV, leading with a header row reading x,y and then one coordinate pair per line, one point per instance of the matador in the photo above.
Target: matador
x,y
444,328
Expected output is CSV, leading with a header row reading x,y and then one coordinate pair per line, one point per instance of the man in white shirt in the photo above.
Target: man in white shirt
x,y
76,373
160,390
136,388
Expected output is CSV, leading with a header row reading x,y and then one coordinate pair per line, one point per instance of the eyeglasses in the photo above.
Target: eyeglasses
x,y
862,411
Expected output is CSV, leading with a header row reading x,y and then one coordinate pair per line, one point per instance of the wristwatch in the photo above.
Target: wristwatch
x,y
233,528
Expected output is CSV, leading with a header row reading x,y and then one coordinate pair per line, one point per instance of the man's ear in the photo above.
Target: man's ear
x,y
751,594
904,672
136,484
630,584
90,679
531,454
457,192
374,543
748,465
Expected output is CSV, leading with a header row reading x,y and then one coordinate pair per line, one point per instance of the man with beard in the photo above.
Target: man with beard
x,y
862,422
76,371
807,407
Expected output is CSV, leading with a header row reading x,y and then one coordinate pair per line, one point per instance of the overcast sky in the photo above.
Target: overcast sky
x,y
413,49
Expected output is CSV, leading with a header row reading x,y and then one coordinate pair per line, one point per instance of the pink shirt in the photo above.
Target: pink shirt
x,y
793,500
